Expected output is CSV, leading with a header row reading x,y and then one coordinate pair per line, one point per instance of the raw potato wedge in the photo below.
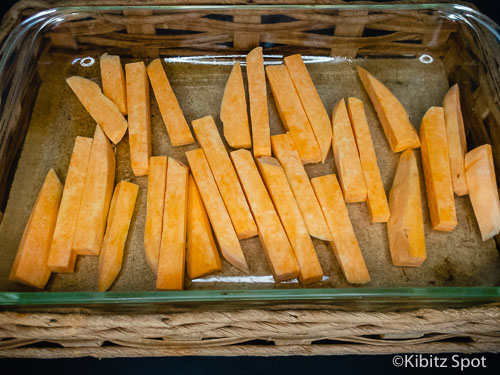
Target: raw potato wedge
x,y
233,111
171,261
392,115
292,113
96,197
406,224
225,176
30,266
219,218
278,250
61,256
139,118
345,244
457,144
157,182
285,151
313,106
291,218
202,257
113,81
171,112
256,76
376,198
483,190
436,162
346,156
102,109
120,215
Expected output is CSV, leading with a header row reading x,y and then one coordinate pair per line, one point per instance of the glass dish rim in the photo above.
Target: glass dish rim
x,y
474,293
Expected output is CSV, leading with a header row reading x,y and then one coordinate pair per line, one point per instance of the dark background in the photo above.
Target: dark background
x,y
348,364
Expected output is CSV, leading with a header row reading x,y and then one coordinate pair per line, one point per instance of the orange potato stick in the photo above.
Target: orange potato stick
x,y
313,106
119,218
102,109
225,176
61,256
30,266
345,244
436,162
113,81
278,250
171,112
291,218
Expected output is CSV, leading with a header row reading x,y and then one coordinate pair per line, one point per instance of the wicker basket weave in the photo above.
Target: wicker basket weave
x,y
285,330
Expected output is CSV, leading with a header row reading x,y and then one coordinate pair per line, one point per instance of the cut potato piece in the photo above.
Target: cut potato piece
x,y
291,218
120,215
392,115
261,133
457,144
113,81
96,197
225,176
202,257
346,155
30,266
233,111
171,112
219,218
157,182
139,126
102,109
483,190
345,244
278,250
313,106
292,113
285,151
376,198
61,256
436,162
406,225
171,261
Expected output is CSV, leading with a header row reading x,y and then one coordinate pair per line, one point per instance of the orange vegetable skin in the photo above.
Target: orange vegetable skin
x,y
261,133
376,198
457,144
102,109
392,115
233,111
30,265
113,81
345,244
285,151
219,218
292,113
171,112
436,162
96,197
278,251
157,181
225,176
291,218
202,257
483,190
346,155
120,215
171,261
61,256
406,225
139,127
313,106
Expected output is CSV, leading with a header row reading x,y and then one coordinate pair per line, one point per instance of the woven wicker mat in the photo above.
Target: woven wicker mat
x,y
282,330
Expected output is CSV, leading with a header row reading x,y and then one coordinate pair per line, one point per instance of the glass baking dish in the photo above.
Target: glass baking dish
x,y
419,51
